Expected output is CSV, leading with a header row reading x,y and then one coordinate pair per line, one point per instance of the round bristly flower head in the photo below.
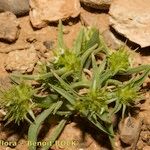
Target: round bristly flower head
x,y
119,61
17,101
128,95
93,103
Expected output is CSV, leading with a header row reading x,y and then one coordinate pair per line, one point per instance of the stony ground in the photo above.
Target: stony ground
x,y
28,36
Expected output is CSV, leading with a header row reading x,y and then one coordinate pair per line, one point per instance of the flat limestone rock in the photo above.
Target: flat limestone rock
x,y
45,11
9,27
131,18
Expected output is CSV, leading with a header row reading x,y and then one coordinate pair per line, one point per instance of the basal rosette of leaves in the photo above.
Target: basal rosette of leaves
x,y
70,91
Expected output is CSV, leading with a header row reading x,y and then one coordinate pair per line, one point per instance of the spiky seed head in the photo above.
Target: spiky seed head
x,y
17,101
119,61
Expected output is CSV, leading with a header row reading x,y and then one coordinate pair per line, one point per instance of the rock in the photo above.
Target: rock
x,y
14,47
146,148
145,109
18,7
145,136
98,4
98,20
49,44
111,40
140,145
129,130
5,81
9,27
43,11
3,147
21,61
14,138
132,20
3,72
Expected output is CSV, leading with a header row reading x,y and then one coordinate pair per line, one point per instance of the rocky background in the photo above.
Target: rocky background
x,y
28,33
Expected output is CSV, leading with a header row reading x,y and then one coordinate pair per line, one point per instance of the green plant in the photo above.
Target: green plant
x,y
63,80
129,93
69,62
17,102
119,61
95,103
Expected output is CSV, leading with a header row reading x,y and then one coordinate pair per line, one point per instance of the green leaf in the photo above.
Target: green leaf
x,y
55,134
95,78
78,42
98,125
80,84
63,93
104,77
123,110
103,45
35,127
38,77
104,117
45,101
117,107
61,44
66,86
135,70
94,38
87,53
139,81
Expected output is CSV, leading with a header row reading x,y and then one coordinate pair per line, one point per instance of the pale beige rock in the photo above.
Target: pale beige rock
x,y
129,130
98,20
21,61
4,76
9,27
3,72
131,18
111,40
145,109
146,148
5,148
45,11
98,4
